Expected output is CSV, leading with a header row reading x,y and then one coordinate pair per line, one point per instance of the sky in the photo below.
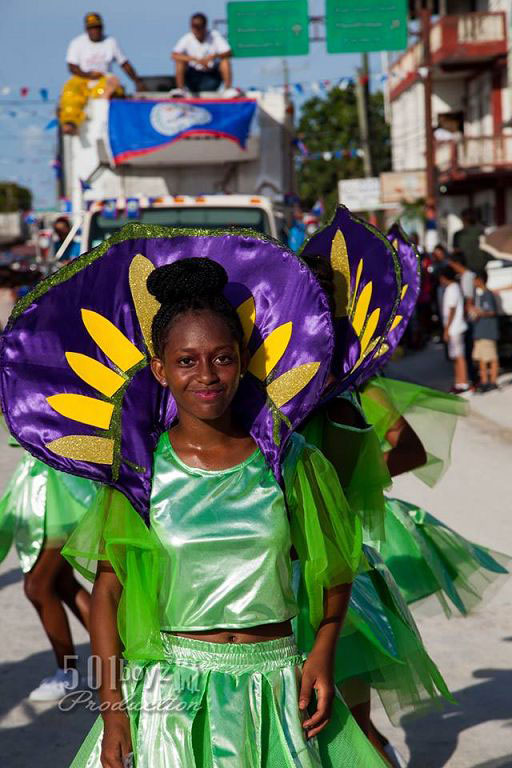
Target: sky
x,y
34,35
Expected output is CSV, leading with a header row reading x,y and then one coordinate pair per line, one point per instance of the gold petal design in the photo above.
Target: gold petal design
x,y
361,309
395,244
270,352
404,291
398,319
104,379
341,274
368,351
356,287
111,341
87,410
98,450
247,314
282,389
383,350
371,326
146,306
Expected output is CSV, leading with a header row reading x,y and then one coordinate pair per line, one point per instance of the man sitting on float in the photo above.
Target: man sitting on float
x,y
202,57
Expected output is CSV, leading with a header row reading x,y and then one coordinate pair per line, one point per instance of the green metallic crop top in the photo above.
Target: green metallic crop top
x,y
217,551
227,537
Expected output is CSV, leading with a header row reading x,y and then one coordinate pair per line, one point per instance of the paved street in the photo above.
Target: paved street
x,y
474,654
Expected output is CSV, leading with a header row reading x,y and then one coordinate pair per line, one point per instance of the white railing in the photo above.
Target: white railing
x,y
483,153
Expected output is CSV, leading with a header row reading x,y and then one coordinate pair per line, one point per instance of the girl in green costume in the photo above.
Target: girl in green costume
x,y
415,426
201,602
38,511
380,645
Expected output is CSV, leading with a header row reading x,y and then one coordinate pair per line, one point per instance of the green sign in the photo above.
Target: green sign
x,y
271,28
358,26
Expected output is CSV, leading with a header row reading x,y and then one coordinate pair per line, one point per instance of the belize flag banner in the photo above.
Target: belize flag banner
x,y
139,127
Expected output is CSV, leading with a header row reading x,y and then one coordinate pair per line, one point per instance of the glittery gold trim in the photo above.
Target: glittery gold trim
x,y
285,387
146,306
98,450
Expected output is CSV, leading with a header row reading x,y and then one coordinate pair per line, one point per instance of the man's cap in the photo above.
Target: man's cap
x,y
93,20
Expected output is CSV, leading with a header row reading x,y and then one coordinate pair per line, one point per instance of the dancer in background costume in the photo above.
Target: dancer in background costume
x,y
380,645
207,492
39,509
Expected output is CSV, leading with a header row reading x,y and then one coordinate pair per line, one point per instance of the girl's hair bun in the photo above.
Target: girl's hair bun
x,y
187,278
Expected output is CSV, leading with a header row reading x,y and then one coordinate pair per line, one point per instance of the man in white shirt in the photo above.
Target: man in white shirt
x,y
454,327
89,58
202,59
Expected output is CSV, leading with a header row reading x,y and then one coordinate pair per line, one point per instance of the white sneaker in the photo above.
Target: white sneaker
x,y
54,688
232,93
180,93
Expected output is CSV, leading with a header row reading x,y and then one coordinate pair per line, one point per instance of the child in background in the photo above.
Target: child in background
x,y
485,333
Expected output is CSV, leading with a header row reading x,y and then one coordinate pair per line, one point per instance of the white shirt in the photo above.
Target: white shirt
x,y
94,57
452,299
467,284
213,43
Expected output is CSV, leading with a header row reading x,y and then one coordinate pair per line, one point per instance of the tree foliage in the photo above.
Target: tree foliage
x,y
329,124
14,198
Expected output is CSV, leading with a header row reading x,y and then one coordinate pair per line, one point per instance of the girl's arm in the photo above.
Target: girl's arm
x,y
406,452
106,646
318,670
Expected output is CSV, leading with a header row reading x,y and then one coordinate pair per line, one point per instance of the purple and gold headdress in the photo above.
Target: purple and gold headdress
x,y
411,280
367,290
76,388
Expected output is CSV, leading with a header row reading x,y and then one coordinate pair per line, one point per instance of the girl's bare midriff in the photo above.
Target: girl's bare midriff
x,y
258,634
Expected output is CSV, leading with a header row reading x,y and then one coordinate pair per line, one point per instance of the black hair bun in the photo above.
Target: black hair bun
x,y
187,277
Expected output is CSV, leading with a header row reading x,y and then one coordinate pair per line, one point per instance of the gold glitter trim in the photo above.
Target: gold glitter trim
x,y
98,450
146,306
285,387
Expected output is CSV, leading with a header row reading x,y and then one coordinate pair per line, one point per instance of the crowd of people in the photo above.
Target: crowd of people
x,y
456,307
201,58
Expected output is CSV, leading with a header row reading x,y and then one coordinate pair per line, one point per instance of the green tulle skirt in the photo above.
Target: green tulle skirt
x,y
40,506
214,705
380,646
430,560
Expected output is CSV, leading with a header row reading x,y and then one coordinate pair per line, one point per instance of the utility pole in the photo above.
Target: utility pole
x,y
362,113
425,15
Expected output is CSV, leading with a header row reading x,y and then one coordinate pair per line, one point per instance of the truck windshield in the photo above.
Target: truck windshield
x,y
190,218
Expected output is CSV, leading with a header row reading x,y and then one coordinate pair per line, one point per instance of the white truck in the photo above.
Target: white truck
x,y
199,180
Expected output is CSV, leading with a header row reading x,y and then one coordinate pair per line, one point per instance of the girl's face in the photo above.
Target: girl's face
x,y
201,365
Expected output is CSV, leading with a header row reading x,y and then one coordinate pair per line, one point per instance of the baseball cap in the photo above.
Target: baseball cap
x,y
93,20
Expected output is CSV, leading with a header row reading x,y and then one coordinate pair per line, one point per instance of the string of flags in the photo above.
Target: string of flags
x,y
341,152
317,87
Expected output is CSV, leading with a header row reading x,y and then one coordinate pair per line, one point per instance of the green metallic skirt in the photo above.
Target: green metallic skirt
x,y
40,506
216,705
430,560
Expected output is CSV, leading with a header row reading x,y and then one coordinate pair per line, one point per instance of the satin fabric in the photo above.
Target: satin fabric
x,y
227,539
214,705
40,507
48,323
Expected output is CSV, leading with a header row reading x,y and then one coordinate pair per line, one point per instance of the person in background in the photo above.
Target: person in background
x,y
439,260
61,229
202,59
467,286
467,241
297,231
454,327
89,58
485,333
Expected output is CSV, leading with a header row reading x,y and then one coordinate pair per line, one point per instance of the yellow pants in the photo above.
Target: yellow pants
x,y
77,91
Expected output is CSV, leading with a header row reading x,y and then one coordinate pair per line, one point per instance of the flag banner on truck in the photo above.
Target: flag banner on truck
x,y
140,127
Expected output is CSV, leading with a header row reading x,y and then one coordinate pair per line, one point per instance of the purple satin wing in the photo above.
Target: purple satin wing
x,y
49,323
411,282
368,281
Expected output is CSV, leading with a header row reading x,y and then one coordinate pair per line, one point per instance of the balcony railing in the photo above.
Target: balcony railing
x,y
459,40
474,154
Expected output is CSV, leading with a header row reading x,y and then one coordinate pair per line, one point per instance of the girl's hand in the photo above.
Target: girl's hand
x,y
317,675
117,742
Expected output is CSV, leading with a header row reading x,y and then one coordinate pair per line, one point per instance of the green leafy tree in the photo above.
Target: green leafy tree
x,y
331,123
14,198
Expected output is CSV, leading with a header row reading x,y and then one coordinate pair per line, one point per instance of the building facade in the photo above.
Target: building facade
x,y
471,73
